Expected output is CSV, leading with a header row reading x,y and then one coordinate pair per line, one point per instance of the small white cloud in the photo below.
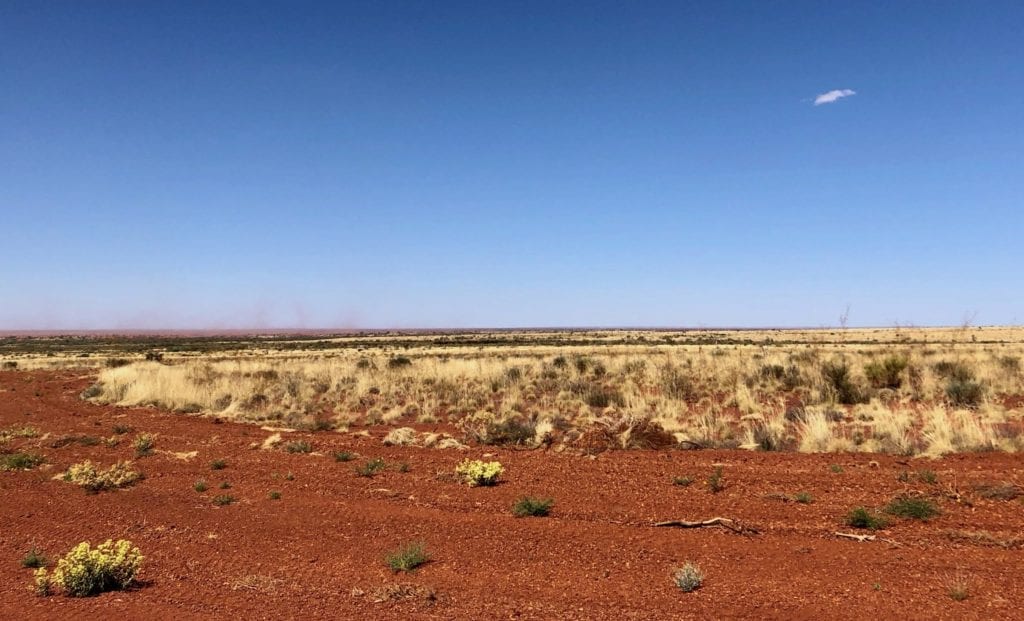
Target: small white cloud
x,y
833,96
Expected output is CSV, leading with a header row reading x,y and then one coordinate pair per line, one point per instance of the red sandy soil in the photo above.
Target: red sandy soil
x,y
318,551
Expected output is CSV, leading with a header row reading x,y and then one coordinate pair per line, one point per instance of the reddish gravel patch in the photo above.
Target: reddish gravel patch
x,y
317,552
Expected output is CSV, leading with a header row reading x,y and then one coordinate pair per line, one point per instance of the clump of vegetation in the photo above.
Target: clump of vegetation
x,y
86,571
371,467
200,486
298,446
965,393
838,381
476,473
19,461
887,373
274,495
95,480
912,507
399,362
143,444
836,468
532,507
861,517
959,589
803,498
11,433
218,464
120,430
408,557
689,577
223,500
343,456
716,481
225,485
34,559
682,481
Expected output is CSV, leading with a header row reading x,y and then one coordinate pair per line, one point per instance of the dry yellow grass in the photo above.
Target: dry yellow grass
x,y
898,390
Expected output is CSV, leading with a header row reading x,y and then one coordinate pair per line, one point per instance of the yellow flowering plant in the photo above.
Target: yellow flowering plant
x,y
479,473
86,571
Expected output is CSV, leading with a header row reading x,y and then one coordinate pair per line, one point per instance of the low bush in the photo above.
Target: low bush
x,y
19,461
299,446
371,467
223,500
887,373
476,473
860,517
34,559
143,444
689,577
532,507
94,480
407,557
86,571
716,482
912,507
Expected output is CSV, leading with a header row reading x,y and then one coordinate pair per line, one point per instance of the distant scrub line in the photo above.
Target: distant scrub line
x,y
900,399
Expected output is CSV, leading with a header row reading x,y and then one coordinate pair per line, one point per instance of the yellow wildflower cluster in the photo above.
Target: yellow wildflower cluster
x,y
479,473
87,475
84,571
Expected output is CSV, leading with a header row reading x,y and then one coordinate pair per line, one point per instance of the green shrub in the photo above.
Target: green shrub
x,y
689,577
19,461
837,379
476,473
915,508
964,392
860,517
510,431
223,500
371,467
886,373
200,486
532,507
399,362
803,498
143,444
407,557
88,476
218,464
275,495
343,456
34,559
84,571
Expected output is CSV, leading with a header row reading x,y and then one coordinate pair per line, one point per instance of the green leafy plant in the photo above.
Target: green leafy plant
x,y
803,498
34,559
223,500
274,495
371,467
200,486
860,517
532,507
218,464
343,456
20,461
912,507
408,557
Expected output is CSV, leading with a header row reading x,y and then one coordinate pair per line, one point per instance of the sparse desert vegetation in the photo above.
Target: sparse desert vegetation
x,y
899,391
397,437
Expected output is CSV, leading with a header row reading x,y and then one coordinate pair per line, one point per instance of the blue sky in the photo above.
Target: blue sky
x,y
379,164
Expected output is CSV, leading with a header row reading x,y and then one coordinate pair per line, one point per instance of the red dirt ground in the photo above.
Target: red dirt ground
x,y
317,552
